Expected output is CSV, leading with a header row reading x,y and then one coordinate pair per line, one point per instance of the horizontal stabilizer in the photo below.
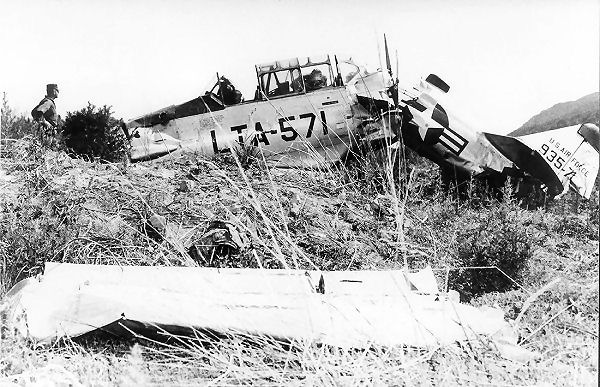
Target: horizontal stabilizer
x,y
525,159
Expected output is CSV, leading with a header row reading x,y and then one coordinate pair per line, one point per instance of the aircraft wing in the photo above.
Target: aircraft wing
x,y
348,309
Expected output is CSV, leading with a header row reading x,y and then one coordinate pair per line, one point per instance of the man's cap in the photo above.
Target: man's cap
x,y
51,86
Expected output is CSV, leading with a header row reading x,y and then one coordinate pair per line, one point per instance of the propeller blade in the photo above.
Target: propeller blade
x,y
393,90
397,71
387,56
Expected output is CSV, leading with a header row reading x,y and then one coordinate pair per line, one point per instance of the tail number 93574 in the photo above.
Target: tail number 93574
x,y
555,160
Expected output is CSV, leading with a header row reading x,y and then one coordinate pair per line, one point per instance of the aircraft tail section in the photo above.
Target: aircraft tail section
x,y
570,153
525,159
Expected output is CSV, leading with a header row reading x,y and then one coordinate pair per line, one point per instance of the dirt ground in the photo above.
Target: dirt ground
x,y
62,209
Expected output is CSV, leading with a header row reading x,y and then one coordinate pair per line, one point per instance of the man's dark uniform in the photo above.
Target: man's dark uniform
x,y
46,116
45,112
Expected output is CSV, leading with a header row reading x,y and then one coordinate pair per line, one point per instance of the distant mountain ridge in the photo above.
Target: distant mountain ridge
x,y
585,109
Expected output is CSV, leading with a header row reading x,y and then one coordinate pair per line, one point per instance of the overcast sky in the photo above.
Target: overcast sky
x,y
504,60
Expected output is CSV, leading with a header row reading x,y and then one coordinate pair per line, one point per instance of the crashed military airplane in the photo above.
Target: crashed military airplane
x,y
307,111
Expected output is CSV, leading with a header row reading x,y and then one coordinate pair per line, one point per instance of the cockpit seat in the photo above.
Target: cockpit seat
x,y
283,88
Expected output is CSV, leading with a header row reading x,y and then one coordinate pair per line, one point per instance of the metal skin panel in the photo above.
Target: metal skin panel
x,y
356,309
289,129
446,140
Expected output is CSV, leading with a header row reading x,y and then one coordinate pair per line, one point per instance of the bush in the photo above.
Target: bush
x,y
12,125
94,134
32,232
498,239
575,226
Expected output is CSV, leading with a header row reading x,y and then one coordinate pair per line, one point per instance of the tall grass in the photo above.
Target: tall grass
x,y
384,211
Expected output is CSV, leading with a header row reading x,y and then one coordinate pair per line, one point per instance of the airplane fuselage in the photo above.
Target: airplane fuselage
x,y
307,128
302,114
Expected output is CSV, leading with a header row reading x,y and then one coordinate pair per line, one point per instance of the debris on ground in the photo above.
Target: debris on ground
x,y
221,240
348,309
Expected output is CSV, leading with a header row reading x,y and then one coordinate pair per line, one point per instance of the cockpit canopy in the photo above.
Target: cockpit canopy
x,y
294,76
275,79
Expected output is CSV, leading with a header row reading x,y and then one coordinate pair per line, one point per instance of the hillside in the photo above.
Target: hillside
x,y
55,208
585,109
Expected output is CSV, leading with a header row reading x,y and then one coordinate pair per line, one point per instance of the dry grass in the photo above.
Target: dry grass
x,y
70,210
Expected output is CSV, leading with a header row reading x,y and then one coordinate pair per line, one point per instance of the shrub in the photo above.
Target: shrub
x,y
575,226
12,125
33,232
93,133
498,239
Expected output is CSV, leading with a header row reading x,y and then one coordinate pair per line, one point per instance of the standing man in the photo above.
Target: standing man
x,y
47,117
